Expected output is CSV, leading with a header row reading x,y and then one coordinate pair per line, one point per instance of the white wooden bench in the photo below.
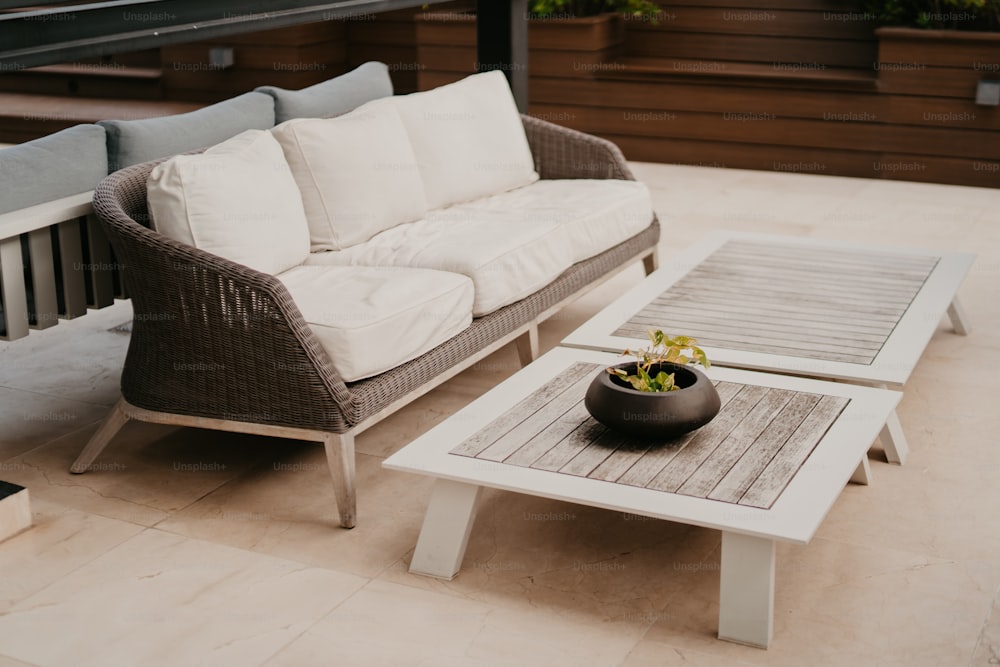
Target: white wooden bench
x,y
69,261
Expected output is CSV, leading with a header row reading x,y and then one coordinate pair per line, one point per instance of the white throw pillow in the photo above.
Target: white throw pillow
x,y
237,200
468,138
357,174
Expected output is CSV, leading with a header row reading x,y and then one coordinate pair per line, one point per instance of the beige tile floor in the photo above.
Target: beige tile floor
x,y
190,547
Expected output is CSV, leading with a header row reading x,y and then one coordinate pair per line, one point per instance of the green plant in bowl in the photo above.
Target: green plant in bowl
x,y
664,349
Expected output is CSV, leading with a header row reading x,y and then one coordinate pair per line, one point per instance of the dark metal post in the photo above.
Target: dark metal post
x,y
502,43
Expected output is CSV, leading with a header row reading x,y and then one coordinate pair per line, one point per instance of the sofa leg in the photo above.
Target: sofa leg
x,y
527,345
340,458
107,430
651,262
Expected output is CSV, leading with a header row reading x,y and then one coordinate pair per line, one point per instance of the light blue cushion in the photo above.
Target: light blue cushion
x,y
334,97
62,164
135,141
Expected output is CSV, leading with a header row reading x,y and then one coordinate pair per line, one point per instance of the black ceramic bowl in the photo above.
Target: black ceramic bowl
x,y
645,414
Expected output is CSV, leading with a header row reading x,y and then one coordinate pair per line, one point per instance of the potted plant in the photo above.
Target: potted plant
x,y
577,8
966,15
658,395
936,47
567,39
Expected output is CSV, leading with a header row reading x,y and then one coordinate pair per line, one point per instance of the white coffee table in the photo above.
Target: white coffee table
x,y
767,468
843,311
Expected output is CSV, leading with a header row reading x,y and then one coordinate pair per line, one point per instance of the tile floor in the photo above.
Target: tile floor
x,y
188,547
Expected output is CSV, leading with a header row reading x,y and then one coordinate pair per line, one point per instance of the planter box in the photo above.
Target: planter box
x,y
563,48
938,63
928,79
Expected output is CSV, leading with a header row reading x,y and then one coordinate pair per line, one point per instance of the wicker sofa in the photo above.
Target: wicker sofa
x,y
217,344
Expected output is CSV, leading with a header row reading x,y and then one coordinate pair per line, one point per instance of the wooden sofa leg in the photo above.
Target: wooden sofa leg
x,y
107,430
340,458
527,345
651,262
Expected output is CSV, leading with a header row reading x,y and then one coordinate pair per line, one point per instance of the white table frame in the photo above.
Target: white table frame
x,y
749,534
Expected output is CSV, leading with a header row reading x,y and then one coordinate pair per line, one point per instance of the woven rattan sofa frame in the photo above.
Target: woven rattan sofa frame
x,y
218,345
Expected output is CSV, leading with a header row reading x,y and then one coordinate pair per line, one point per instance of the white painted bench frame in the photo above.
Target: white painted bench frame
x,y
66,215
748,533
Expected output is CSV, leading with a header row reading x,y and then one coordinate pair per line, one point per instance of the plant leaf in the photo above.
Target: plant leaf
x,y
663,381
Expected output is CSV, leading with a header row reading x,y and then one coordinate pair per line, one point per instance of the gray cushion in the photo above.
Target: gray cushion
x,y
62,164
134,141
337,96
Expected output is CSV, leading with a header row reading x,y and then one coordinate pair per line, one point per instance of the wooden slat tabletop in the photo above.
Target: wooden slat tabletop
x,y
817,303
747,455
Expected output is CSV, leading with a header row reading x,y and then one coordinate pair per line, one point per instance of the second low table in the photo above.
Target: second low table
x,y
847,311
842,311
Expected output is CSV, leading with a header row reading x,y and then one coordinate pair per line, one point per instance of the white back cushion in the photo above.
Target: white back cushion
x,y
237,200
468,138
357,174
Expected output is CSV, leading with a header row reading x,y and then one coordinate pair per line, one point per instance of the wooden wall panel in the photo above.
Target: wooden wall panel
x,y
940,112
941,81
591,30
737,155
795,159
753,127
390,38
963,50
700,89
749,48
213,86
776,20
542,63
293,57
271,58
679,95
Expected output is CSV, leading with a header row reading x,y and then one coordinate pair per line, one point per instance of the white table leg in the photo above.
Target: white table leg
x,y
958,319
893,440
863,473
445,533
746,594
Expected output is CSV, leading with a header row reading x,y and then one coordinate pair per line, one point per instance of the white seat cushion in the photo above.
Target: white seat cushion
x,y
357,174
372,319
468,138
237,200
594,215
511,244
506,257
